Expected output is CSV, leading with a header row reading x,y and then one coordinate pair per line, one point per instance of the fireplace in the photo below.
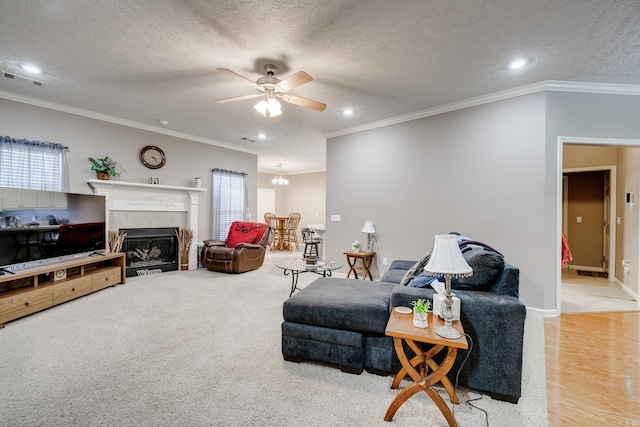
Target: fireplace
x,y
133,205
150,250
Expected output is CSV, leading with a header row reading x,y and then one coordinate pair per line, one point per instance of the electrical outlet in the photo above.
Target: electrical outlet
x,y
626,266
385,261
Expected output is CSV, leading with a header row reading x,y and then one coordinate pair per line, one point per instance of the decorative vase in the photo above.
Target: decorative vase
x,y
420,320
184,261
103,175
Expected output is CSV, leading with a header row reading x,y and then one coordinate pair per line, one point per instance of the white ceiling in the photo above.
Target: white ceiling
x,y
151,60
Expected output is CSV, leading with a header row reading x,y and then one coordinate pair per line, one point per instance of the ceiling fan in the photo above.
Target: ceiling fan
x,y
272,88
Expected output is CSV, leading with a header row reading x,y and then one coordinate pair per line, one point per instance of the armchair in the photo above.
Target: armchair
x,y
244,249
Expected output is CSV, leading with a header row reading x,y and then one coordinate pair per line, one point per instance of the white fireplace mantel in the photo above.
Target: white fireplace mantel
x,y
129,203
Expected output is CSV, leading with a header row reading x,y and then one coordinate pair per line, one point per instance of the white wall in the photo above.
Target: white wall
x,y
88,137
305,194
478,171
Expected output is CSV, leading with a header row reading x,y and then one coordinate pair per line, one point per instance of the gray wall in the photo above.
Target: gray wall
x,y
490,172
88,137
593,116
478,171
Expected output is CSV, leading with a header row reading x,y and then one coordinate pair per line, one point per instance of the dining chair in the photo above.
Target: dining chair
x,y
270,218
291,230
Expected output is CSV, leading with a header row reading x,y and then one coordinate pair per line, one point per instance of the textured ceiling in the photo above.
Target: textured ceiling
x,y
156,59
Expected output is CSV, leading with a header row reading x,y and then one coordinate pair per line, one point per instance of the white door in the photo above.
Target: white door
x,y
266,202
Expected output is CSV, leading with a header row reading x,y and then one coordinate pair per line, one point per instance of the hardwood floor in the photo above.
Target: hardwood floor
x,y
593,369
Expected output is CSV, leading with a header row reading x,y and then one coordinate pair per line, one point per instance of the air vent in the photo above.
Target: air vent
x,y
18,76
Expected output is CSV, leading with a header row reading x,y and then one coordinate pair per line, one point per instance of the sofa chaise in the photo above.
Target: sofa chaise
x,y
342,321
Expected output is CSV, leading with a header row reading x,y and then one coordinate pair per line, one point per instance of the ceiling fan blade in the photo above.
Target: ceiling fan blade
x,y
304,102
238,98
238,76
298,79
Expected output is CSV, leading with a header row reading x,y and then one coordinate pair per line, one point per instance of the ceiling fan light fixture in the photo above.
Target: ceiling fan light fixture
x,y
269,107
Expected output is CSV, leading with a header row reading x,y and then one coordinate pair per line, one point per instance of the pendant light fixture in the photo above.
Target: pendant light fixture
x,y
280,179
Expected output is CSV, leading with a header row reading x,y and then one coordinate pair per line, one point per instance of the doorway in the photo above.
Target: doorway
x,y
587,217
587,282
609,211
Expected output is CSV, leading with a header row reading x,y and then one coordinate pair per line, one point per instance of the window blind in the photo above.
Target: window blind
x,y
229,201
33,164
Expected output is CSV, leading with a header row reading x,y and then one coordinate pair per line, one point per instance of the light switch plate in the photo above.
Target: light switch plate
x,y
335,218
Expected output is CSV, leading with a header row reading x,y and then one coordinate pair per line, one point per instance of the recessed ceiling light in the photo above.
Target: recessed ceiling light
x,y
29,68
163,122
518,63
261,136
347,112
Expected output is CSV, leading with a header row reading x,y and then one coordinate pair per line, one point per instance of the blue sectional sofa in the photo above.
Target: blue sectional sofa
x,y
342,321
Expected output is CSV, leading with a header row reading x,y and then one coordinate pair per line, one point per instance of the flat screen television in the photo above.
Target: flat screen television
x,y
38,227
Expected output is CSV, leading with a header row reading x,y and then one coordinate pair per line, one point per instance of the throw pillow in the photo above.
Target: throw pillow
x,y
487,266
422,280
243,232
417,268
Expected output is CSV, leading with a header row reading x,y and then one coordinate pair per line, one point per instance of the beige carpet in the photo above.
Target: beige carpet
x,y
198,348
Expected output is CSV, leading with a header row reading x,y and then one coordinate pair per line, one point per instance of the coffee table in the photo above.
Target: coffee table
x,y
298,265
400,327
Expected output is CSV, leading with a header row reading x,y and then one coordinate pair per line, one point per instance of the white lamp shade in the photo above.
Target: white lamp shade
x,y
368,227
446,258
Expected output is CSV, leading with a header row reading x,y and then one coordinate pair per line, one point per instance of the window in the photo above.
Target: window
x,y
33,164
229,201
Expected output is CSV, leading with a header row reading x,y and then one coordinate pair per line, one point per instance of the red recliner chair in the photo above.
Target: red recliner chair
x,y
243,250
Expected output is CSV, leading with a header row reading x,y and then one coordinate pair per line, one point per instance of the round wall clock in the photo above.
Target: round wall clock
x,y
152,157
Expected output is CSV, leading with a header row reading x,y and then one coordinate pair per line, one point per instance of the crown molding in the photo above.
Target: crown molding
x,y
117,120
599,88
549,85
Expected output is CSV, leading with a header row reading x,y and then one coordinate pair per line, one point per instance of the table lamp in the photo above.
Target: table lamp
x,y
369,229
447,261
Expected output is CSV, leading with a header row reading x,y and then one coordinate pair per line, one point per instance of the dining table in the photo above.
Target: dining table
x,y
281,223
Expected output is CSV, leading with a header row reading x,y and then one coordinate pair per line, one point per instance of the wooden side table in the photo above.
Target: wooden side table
x,y
400,327
366,259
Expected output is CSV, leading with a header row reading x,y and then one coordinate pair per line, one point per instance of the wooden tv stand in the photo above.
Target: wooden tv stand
x,y
37,288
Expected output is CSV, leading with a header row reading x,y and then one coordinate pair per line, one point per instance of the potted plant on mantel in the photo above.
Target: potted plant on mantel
x,y
105,168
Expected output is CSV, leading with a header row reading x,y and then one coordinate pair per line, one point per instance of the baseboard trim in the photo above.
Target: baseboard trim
x,y
626,289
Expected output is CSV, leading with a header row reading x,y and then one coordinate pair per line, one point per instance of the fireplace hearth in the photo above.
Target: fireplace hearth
x,y
150,250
